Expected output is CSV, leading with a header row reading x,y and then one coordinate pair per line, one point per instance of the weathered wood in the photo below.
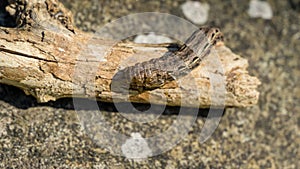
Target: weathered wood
x,y
49,58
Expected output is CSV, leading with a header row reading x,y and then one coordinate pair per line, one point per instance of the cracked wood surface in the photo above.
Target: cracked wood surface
x,y
50,59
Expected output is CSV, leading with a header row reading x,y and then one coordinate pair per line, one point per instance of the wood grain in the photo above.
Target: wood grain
x,y
49,58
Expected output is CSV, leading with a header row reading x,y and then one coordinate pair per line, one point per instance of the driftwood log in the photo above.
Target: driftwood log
x,y
48,57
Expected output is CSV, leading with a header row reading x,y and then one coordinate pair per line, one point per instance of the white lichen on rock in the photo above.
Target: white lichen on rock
x,y
195,11
136,147
260,9
152,38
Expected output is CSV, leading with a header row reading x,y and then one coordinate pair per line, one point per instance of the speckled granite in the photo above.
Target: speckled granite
x,y
264,136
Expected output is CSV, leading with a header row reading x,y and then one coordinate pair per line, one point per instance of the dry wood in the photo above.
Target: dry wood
x,y
49,58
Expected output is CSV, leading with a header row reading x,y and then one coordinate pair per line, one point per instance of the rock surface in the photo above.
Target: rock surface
x,y
196,12
152,38
260,9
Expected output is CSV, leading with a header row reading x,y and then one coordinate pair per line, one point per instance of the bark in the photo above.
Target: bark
x,y
49,58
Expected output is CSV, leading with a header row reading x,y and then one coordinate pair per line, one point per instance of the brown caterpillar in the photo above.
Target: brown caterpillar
x,y
157,72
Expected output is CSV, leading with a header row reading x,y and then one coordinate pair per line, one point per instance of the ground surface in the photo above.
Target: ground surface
x,y
264,136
